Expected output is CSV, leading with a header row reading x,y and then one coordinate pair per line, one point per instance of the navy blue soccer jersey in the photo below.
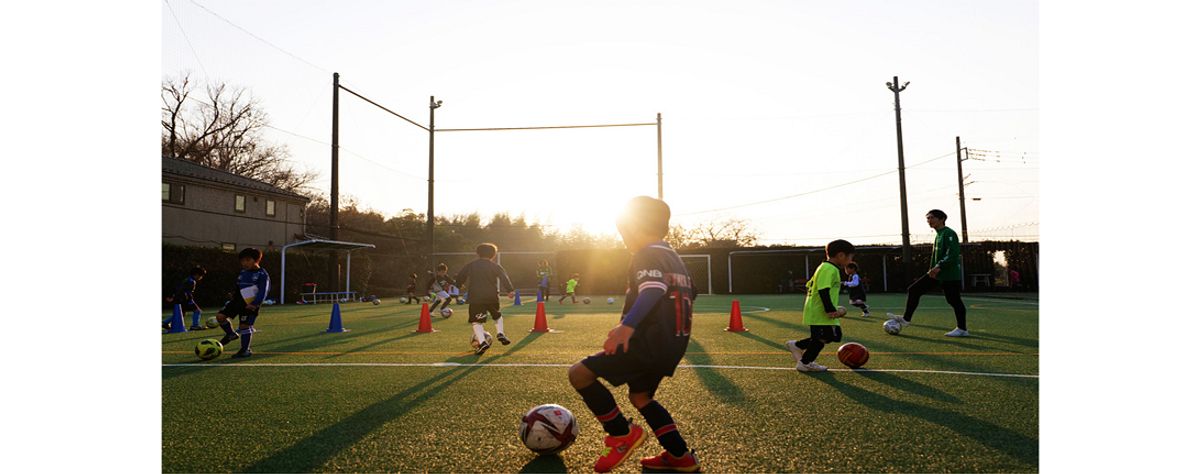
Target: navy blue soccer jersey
x,y
186,290
661,338
252,285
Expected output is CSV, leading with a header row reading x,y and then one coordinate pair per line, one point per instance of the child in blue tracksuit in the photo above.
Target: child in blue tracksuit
x,y
252,286
184,296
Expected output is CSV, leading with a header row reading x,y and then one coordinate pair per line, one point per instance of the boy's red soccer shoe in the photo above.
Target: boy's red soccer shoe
x,y
666,462
618,448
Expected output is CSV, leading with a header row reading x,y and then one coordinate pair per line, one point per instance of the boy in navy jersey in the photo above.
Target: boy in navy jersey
x,y
184,296
646,346
252,286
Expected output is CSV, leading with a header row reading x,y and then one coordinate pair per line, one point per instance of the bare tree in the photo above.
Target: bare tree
x,y
726,233
223,130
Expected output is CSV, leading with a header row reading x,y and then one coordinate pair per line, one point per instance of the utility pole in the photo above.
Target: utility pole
x,y
433,105
660,193
333,185
906,249
962,198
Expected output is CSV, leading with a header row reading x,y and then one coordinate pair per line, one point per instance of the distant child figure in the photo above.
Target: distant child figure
x,y
184,296
483,278
439,285
252,286
820,307
411,290
857,290
645,347
543,275
571,285
1014,279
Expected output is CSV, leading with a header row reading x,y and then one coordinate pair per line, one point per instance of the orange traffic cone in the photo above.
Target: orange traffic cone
x,y
425,325
735,318
539,321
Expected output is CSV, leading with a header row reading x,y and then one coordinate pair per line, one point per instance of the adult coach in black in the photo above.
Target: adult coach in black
x,y
945,270
482,278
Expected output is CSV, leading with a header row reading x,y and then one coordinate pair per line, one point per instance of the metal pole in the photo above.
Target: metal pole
x,y
660,191
282,272
347,273
433,104
885,285
962,198
906,250
333,185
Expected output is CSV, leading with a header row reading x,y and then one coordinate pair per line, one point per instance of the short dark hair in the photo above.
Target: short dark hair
x,y
852,266
486,250
938,213
648,215
839,246
199,271
442,267
251,253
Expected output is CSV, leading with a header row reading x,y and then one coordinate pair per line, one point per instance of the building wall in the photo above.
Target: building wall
x,y
207,217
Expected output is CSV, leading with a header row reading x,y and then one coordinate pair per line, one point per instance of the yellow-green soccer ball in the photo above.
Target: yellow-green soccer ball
x,y
211,322
209,349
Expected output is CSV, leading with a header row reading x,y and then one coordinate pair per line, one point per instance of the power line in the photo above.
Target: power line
x,y
252,35
360,96
496,129
186,39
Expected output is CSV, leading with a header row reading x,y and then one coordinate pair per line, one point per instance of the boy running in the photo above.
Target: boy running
x,y
411,290
571,284
481,278
821,313
857,290
252,286
439,285
184,296
645,347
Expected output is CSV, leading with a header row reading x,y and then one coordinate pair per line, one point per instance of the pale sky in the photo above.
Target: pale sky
x,y
760,100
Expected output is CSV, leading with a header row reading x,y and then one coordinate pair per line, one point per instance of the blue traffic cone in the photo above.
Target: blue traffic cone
x,y
177,321
335,320
517,298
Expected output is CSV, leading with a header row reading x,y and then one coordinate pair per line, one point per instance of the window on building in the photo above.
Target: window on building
x,y
271,207
172,193
239,203
228,247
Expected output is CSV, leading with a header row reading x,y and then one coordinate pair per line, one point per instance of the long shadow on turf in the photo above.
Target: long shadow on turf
x,y
948,362
545,464
1020,341
717,384
774,322
999,438
953,341
764,341
910,386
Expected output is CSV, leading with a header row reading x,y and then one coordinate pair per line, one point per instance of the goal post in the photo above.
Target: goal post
x,y
700,268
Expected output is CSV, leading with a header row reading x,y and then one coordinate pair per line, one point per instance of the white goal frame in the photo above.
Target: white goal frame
x,y
708,262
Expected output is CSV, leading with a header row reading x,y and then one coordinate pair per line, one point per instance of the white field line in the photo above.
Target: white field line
x,y
682,366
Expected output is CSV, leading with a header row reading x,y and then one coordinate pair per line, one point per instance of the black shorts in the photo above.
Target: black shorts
x,y
860,296
826,334
478,312
237,307
625,368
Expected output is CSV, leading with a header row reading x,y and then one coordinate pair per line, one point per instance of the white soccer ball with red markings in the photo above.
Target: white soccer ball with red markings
x,y
548,429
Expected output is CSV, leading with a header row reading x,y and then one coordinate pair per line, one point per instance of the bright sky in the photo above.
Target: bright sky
x,y
760,100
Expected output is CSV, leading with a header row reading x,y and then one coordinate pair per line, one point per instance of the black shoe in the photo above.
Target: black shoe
x,y
166,327
483,347
229,338
243,354
503,340
197,328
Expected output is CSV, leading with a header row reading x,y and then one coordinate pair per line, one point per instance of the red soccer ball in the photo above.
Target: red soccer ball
x,y
853,354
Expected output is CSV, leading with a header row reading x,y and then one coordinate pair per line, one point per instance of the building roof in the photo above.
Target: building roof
x,y
195,170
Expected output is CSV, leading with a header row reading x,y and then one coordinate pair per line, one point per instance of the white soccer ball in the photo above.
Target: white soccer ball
x,y
548,429
375,301
612,300
587,300
475,344
892,327
447,312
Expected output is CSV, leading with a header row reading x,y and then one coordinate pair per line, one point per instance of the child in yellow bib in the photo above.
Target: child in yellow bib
x,y
821,312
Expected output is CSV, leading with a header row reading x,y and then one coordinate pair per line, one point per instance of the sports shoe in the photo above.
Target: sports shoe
x,y
197,328
483,347
797,352
810,367
503,340
666,462
899,318
229,338
619,448
958,332
243,354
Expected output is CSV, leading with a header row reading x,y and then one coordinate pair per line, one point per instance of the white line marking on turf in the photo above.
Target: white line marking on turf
x,y
763,310
682,366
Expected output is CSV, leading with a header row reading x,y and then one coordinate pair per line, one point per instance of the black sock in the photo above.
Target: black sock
x,y
664,428
445,303
227,327
812,348
602,404
246,335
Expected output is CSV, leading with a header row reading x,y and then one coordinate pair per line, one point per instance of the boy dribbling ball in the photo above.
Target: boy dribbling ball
x,y
645,347
821,313
252,286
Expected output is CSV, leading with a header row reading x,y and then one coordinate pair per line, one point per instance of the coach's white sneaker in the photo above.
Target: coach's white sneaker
x,y
797,352
899,318
957,332
810,367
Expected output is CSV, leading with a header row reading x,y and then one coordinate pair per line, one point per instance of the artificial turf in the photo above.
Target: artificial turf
x,y
331,415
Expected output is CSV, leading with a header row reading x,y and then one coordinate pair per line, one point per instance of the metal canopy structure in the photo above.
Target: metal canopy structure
x,y
317,244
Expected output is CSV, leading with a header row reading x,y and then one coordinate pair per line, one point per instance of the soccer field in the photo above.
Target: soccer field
x,y
383,398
